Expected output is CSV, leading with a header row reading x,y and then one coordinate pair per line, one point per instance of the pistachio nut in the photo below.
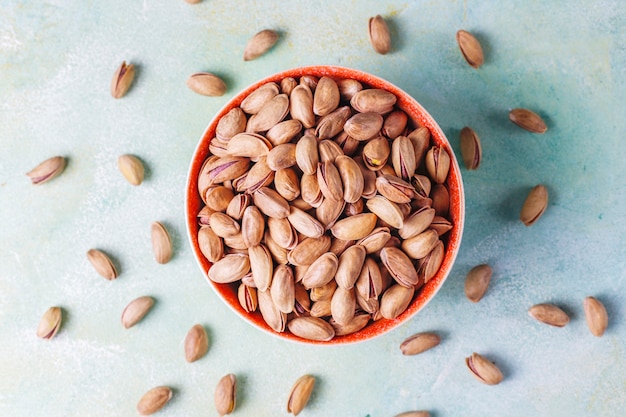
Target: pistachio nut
x,y
261,266
422,185
549,314
206,84
347,143
311,328
223,225
247,297
249,145
363,126
395,300
211,245
230,268
274,318
332,124
338,246
284,132
534,206
136,310
287,183
326,97
375,153
374,100
310,190
308,250
287,85
301,106
429,265
324,292
231,124
440,199
282,289
260,175
271,203
386,210
403,157
420,245
483,369
282,156
528,120
272,113
349,266
252,226
420,138
477,282
419,342
329,150
354,227
221,169
414,414
470,48
596,316
161,243
471,151
131,168
351,178
369,283
47,170
354,208
329,211
438,164
310,81
218,147
300,394
369,304
102,264
279,254
394,189
376,240
50,323
260,44
305,223
417,222
154,400
282,232
348,87
358,322
441,225
329,181
122,79
399,266
369,178
307,156
320,308
321,271
253,103
379,35
235,242
196,343
395,125
217,197
343,305
225,396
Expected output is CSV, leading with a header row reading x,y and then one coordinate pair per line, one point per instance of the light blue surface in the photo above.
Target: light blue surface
x,y
567,61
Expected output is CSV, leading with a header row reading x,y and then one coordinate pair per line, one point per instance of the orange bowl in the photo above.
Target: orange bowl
x,y
418,116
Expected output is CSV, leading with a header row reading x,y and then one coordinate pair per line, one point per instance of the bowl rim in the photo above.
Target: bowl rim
x,y
457,200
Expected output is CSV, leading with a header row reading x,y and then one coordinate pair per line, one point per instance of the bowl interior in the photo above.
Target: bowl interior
x,y
419,117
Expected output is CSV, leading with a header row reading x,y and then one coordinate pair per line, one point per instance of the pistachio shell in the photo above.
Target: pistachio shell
x,y
259,97
441,225
420,138
260,175
154,400
206,84
419,343
373,100
310,190
343,305
332,124
395,301
399,266
326,97
376,240
230,268
386,210
363,126
470,148
596,316
529,120
122,79
369,283
429,265
322,293
279,254
287,183
477,282
225,396
403,157
440,199
218,197
287,85
221,169
395,125
321,271
301,106
284,132
358,322
329,181
354,227
271,203
375,153
300,394
438,164
249,145
329,150
283,289
272,113
47,170
420,245
308,250
549,314
329,211
417,222
470,48
261,266
211,245
50,323
534,206
282,232
274,318
312,328
247,297
196,343
379,35
394,189
161,243
305,223
252,226
136,310
348,88
231,124
282,156
483,369
310,81
321,308
349,266
131,168
351,178
260,44
102,264
307,156
223,225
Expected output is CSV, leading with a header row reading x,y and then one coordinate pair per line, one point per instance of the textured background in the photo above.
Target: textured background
x,y
57,58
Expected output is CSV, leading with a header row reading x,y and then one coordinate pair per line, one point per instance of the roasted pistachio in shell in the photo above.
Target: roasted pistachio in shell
x,y
483,369
300,394
534,206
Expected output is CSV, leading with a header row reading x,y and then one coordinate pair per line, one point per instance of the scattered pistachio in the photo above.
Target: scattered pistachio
x,y
549,314
102,264
419,343
483,369
131,168
48,169
122,79
300,394
161,243
226,394
206,84
414,414
260,44
136,310
470,148
196,343
50,323
596,316
477,282
535,205
529,120
470,48
154,400
379,35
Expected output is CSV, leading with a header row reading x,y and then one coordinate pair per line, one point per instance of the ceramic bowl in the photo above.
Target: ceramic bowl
x,y
418,116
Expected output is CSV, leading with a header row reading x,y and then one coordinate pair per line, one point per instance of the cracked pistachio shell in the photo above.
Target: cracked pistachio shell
x,y
161,243
329,150
549,314
154,400
417,223
329,211
351,178
332,124
386,210
394,189
471,151
399,266
534,206
358,322
321,271
596,316
136,310
363,126
470,48
282,289
420,138
211,245
376,153
102,264
310,81
312,328
528,120
374,100
414,414
231,124
354,227
248,145
47,170
301,106
122,79
247,297
274,318
220,169
343,305
329,181
257,99
323,293
300,394
419,343
259,44
50,323
287,183
395,300
307,156
305,223
252,226
282,156
403,157
282,232
196,343
310,190
272,113
429,265
338,246
369,283
260,175
284,132
308,250
441,225
237,206
271,203
421,244
477,282
438,164
349,266
206,84
379,35
225,396
261,266
230,268
131,168
320,308
483,369
376,240
279,253
326,97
